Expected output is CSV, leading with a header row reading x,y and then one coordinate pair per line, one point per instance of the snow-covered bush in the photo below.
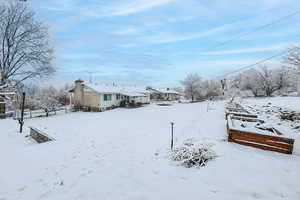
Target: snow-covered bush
x,y
192,154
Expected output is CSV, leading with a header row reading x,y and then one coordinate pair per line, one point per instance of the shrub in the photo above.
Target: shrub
x,y
123,103
132,104
192,155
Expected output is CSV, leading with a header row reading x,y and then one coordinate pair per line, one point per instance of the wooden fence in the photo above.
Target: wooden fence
x,y
28,114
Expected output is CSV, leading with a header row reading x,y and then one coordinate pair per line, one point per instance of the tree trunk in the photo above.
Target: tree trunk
x,y
47,112
2,79
2,109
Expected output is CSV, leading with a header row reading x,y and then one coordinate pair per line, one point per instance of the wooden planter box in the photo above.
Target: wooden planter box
x,y
258,140
39,136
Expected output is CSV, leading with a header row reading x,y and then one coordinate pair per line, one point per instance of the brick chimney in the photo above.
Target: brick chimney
x,y
78,94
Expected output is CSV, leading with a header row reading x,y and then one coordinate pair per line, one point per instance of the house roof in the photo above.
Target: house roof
x,y
163,91
133,94
132,91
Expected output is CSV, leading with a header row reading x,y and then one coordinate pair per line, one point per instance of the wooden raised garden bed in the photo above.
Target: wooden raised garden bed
x,y
251,136
39,136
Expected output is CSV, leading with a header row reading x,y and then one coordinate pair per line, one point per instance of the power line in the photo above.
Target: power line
x,y
254,30
257,63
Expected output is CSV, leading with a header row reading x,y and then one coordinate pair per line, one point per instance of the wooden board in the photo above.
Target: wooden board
x,y
263,147
247,115
247,119
265,142
260,140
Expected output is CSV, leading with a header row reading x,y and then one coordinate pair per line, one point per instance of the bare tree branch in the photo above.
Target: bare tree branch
x,y
25,51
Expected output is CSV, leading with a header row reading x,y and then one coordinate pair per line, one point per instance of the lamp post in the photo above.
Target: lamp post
x,y
172,129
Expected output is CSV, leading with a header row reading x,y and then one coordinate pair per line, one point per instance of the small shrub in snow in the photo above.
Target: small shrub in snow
x,y
192,155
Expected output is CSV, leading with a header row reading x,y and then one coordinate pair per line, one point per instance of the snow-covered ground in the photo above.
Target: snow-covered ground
x,y
121,154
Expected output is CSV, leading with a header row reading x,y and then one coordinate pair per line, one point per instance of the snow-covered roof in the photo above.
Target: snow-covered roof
x,y
163,91
133,94
167,91
120,89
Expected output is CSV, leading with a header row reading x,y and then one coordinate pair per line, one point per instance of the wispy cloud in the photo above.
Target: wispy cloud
x,y
118,8
175,37
163,39
131,7
169,37
126,31
250,50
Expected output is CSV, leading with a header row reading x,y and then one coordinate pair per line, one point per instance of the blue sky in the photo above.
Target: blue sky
x,y
158,42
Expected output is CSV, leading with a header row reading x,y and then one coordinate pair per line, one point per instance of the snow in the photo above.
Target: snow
x,y
269,110
123,89
285,102
122,154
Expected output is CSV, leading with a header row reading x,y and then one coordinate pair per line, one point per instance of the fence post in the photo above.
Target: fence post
x,y
207,106
21,121
172,135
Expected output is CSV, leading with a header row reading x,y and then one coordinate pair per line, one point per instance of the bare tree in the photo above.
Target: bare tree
x,y
192,86
178,89
292,60
264,81
293,57
25,52
212,88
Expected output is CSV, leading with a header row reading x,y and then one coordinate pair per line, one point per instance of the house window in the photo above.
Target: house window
x,y
107,97
118,96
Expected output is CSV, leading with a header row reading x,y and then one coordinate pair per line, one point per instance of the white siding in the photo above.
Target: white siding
x,y
141,99
109,103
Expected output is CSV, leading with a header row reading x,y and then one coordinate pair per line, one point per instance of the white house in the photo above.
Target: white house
x,y
163,94
99,97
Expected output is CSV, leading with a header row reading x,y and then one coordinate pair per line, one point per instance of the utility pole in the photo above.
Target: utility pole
x,y
223,83
21,121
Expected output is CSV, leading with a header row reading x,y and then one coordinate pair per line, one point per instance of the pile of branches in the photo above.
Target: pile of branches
x,y
291,116
192,155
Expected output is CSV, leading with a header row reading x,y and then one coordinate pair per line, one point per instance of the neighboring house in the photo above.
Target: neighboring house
x,y
96,97
163,94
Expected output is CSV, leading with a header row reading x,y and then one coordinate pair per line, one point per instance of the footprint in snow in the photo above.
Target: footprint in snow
x,y
45,194
22,188
256,195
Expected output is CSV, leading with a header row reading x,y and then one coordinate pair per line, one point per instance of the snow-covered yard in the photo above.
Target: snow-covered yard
x,y
122,154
